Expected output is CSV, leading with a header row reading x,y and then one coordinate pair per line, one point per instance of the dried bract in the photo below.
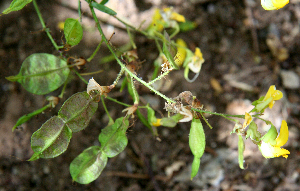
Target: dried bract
x,y
94,89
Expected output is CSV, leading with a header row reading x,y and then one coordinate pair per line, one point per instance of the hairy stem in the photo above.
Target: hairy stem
x,y
43,24
120,63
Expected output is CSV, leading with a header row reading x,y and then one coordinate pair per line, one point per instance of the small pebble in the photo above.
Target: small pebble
x,y
290,79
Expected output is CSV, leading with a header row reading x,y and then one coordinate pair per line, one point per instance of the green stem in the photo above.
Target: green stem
x,y
226,116
206,121
79,10
77,73
132,27
111,57
119,76
43,24
158,46
95,52
136,98
118,102
266,121
91,73
118,60
105,108
159,77
64,88
131,39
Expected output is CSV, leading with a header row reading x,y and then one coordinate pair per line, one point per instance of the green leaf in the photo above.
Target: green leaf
x,y
151,115
168,122
103,8
88,166
42,73
187,26
197,138
28,116
253,133
241,148
197,144
73,31
195,167
124,84
103,2
78,110
51,140
113,137
171,121
143,119
167,49
270,136
16,5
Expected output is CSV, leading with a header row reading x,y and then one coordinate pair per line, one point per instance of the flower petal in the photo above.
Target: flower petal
x,y
283,135
266,150
177,17
277,95
248,119
197,61
267,5
198,53
273,4
181,52
277,152
157,123
270,92
280,3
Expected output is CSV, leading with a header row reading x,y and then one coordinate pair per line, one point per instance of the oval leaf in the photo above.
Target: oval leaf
x,y
16,5
88,166
151,115
197,144
78,110
113,138
195,167
42,73
197,138
51,140
73,31
103,8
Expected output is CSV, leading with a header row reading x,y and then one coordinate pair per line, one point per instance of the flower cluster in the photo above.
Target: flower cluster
x,y
270,144
166,18
189,60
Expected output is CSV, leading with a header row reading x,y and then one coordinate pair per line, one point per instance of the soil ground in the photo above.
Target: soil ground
x,y
246,49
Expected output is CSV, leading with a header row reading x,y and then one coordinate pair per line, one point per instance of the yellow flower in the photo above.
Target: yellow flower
x,y
272,95
157,123
61,25
197,61
248,120
181,52
164,19
157,21
272,149
273,4
170,14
